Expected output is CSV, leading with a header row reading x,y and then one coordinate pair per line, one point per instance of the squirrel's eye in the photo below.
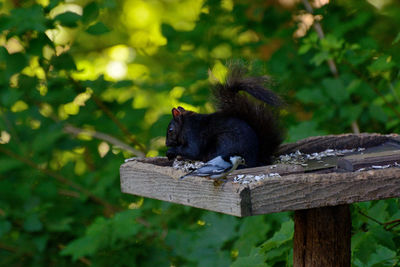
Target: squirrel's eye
x,y
170,129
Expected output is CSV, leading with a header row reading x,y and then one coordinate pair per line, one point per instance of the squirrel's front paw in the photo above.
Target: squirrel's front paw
x,y
171,154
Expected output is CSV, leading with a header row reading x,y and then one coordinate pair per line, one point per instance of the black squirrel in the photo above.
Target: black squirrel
x,y
240,126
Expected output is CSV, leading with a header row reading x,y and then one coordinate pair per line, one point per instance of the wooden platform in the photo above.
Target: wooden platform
x,y
333,182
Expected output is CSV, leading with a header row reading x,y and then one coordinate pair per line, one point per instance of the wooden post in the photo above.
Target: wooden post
x,y
322,237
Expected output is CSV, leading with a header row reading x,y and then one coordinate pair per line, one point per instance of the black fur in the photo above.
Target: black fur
x,y
240,126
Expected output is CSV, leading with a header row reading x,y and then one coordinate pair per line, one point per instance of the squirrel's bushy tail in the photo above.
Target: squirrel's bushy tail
x,y
261,115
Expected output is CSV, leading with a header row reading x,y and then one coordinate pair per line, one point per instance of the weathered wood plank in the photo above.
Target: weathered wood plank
x,y
305,191
282,169
341,141
289,192
358,161
163,183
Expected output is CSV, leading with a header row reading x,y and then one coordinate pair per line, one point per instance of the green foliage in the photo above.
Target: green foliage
x,y
97,29
78,79
68,19
105,234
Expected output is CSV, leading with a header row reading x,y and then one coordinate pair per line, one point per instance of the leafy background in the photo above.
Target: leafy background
x,y
85,84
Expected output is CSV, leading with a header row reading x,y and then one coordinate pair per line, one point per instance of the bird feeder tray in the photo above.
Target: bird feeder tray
x,y
368,170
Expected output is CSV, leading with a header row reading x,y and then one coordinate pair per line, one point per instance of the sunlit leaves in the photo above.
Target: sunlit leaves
x,y
383,63
19,106
183,15
116,68
222,51
73,107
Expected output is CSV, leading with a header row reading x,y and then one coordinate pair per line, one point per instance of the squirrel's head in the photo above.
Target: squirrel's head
x,y
174,130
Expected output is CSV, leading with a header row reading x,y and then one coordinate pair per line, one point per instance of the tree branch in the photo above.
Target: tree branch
x,y
109,207
102,136
109,114
8,248
122,127
369,217
318,28
392,224
332,66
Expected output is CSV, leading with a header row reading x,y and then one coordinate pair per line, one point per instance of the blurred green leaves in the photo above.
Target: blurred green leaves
x,y
78,79
397,39
33,224
63,62
97,29
68,19
5,227
105,234
90,12
256,258
22,20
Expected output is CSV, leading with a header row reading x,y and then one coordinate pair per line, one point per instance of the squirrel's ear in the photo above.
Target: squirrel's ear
x,y
175,113
181,109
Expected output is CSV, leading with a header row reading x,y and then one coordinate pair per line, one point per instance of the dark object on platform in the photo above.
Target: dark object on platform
x,y
241,126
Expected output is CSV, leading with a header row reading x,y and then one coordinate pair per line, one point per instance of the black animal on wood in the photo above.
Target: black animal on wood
x,y
241,126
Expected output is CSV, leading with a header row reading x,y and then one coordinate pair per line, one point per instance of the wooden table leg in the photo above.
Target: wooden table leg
x,y
322,237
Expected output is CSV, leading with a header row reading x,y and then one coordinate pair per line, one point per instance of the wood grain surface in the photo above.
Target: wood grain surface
x,y
358,161
341,141
294,191
308,190
163,183
322,237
